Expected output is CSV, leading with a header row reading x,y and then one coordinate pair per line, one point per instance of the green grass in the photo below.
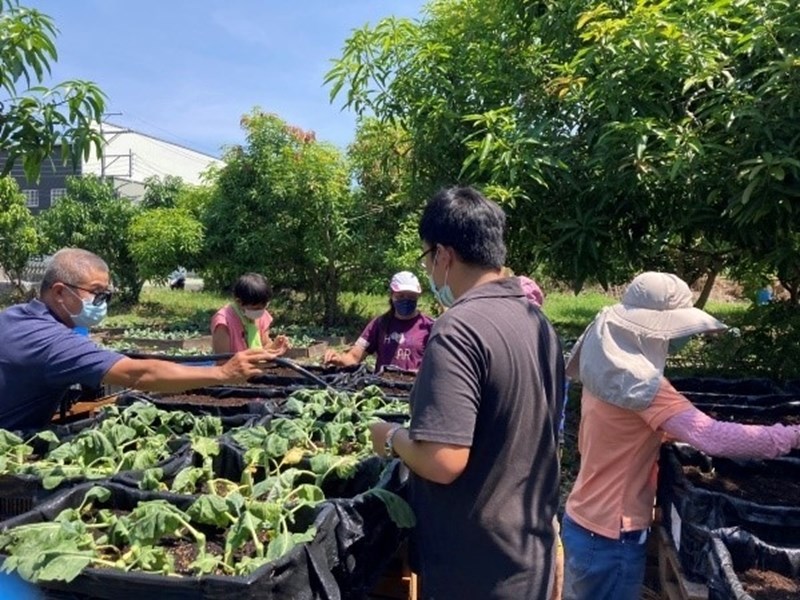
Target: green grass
x,y
729,313
174,309
570,314
163,308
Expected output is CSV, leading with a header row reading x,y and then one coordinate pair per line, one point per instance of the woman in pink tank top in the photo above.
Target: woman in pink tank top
x,y
245,322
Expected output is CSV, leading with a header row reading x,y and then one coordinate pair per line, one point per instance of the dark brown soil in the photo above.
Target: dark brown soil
x,y
769,585
721,415
393,391
263,386
761,488
184,550
200,400
283,372
395,376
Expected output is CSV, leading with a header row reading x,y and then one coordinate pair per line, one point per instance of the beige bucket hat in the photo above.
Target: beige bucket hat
x,y
620,357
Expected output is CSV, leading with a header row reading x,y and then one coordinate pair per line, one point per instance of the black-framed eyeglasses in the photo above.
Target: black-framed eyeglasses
x,y
421,258
99,297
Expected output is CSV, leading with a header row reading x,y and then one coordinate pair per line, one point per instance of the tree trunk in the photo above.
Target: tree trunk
x,y
792,288
707,286
330,294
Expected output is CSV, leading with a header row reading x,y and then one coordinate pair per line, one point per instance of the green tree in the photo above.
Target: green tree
x,y
281,207
162,239
18,237
195,199
37,121
467,84
695,170
162,193
382,212
91,216
618,135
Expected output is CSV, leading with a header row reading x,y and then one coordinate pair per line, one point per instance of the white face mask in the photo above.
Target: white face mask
x,y
253,315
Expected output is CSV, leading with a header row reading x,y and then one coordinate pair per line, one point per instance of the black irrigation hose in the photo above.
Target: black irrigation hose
x,y
225,356
180,359
305,373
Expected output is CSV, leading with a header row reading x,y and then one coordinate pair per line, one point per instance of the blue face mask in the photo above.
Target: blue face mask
x,y
405,307
90,314
443,294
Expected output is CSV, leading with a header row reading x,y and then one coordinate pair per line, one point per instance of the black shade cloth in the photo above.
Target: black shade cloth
x,y
732,550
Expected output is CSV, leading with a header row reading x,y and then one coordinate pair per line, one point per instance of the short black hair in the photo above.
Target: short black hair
x,y
462,218
252,289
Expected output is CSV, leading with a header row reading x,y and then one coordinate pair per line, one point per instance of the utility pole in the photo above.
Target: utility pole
x,y
102,137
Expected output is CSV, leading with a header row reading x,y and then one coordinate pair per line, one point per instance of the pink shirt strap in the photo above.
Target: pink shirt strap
x,y
227,317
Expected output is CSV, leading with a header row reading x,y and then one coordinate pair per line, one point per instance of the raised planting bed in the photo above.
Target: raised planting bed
x,y
34,468
743,567
358,407
397,376
370,532
698,494
123,544
716,385
234,406
762,584
314,350
201,400
784,415
762,483
196,343
279,375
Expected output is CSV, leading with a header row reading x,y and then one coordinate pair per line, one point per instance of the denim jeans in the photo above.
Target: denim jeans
x,y
599,568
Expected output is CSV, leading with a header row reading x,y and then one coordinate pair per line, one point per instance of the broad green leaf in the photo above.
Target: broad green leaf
x,y
308,493
64,567
152,480
210,510
399,510
185,481
205,447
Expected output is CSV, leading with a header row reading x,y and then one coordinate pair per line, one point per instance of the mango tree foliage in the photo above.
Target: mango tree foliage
x,y
619,135
382,213
161,239
162,193
18,237
281,208
670,111
468,85
93,217
194,199
37,121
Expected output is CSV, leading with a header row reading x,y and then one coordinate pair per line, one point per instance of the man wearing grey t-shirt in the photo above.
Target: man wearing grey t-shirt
x,y
482,445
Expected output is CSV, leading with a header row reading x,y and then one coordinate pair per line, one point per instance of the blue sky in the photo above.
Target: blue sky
x,y
187,70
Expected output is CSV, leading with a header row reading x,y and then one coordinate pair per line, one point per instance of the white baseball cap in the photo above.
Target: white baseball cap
x,y
405,281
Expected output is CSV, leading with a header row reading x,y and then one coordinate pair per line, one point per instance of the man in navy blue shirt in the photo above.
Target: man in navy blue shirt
x,y
41,356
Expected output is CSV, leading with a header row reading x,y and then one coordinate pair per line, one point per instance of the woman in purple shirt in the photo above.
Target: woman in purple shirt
x,y
398,337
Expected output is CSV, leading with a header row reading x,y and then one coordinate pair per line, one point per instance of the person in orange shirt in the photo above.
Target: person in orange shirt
x,y
627,409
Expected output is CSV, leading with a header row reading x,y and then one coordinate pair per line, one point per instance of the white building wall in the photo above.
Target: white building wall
x,y
131,157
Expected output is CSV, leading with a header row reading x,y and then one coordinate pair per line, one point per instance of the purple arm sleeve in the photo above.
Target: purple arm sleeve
x,y
732,440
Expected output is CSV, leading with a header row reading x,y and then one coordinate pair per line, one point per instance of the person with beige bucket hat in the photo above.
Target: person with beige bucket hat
x,y
628,408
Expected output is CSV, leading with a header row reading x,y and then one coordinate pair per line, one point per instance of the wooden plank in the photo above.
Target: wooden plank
x,y
315,350
86,409
397,582
673,584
